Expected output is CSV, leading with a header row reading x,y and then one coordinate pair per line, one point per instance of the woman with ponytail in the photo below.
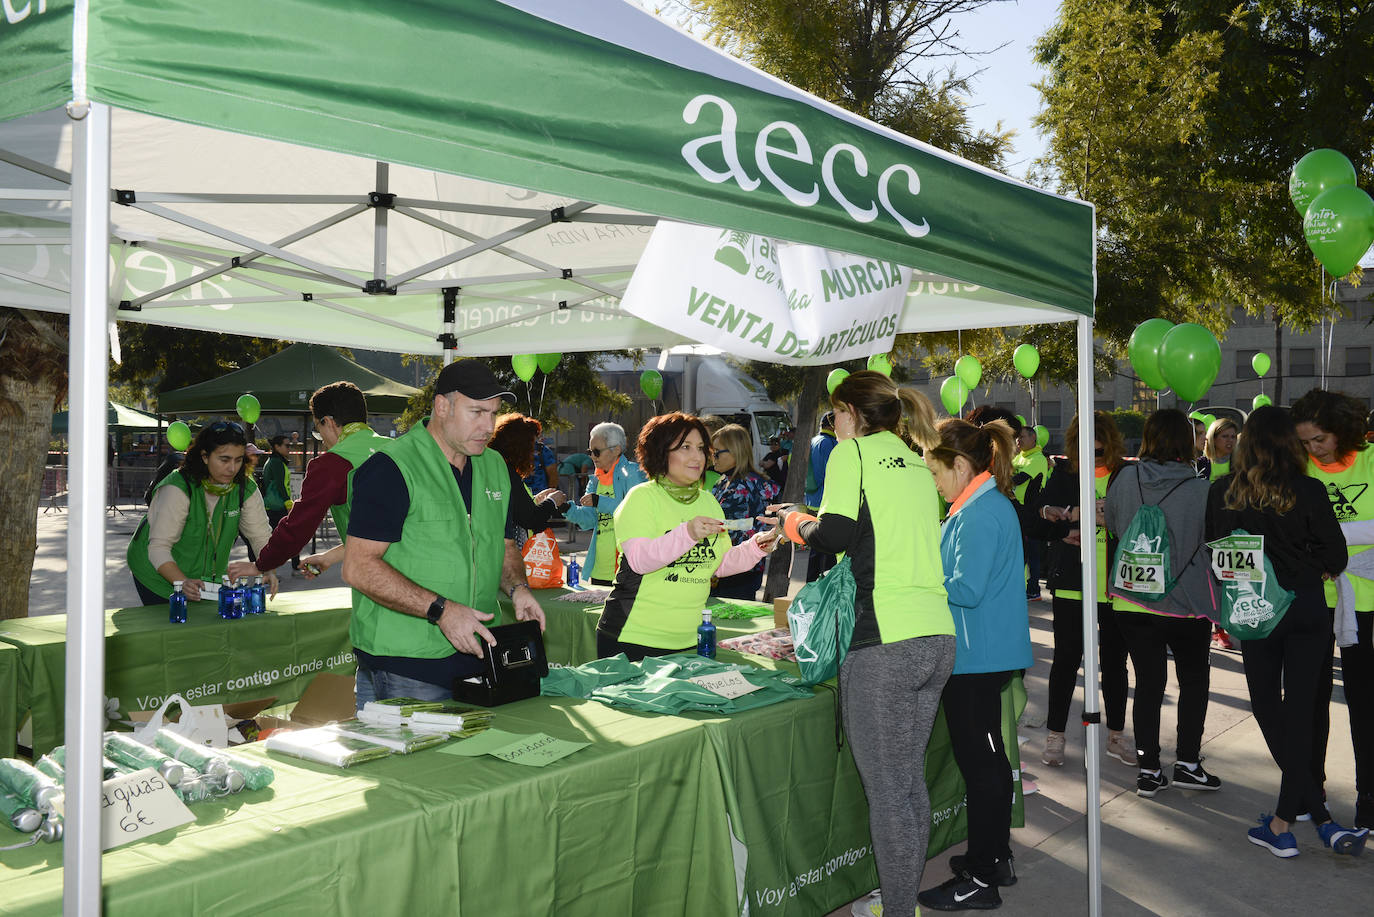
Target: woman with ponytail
x,y
881,509
980,550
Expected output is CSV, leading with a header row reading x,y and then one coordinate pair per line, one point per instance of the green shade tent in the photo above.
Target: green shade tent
x,y
117,417
448,176
284,382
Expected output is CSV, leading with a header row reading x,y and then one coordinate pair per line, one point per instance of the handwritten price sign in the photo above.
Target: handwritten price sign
x,y
138,805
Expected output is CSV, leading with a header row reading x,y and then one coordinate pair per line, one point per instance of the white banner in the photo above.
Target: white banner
x,y
760,299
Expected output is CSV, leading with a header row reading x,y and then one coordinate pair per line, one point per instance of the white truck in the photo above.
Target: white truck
x,y
699,384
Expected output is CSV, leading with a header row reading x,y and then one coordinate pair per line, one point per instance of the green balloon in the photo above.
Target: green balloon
x,y
1339,227
651,383
178,435
1143,350
548,362
880,363
1026,359
1189,357
953,394
1022,419
1198,416
1208,420
524,365
1042,436
249,408
1260,401
1260,363
835,378
969,370
1316,172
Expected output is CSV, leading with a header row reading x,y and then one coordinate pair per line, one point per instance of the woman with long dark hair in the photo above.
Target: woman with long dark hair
x,y
1331,426
194,517
1269,493
881,509
1060,522
1180,622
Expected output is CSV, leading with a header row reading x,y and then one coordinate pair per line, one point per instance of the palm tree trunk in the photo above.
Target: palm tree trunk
x,y
25,423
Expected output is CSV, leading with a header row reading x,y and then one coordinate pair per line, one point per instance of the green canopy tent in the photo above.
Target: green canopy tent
x,y
117,417
449,176
284,382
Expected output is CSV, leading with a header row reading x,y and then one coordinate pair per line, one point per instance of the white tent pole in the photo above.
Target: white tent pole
x,y
1087,501
87,390
379,217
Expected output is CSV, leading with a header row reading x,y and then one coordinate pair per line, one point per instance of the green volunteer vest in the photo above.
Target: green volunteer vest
x,y
605,537
665,607
1100,488
202,551
1351,493
276,483
1033,463
1220,469
443,548
356,448
909,598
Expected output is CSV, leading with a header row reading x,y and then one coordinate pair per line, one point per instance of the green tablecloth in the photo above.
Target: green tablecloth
x,y
206,660
9,699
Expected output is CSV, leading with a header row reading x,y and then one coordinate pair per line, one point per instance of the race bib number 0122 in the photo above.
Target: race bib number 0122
x,y
1140,573
1238,559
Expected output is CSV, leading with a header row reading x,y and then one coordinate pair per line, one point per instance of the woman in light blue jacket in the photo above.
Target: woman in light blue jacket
x,y
615,475
980,547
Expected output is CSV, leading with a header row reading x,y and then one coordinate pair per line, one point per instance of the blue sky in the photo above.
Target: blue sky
x,y
1004,91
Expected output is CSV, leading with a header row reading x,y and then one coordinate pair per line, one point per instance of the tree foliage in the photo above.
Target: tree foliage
x,y
163,359
1181,122
573,382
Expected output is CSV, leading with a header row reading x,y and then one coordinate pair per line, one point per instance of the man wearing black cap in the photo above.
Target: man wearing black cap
x,y
426,553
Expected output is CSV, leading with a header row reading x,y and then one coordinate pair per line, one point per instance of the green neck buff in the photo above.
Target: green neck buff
x,y
218,490
682,493
349,429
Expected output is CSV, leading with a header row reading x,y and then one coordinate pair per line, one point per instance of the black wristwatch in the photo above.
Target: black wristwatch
x,y
436,609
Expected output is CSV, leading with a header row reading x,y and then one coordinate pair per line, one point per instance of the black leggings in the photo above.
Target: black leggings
x,y
973,712
1068,658
1149,637
1283,673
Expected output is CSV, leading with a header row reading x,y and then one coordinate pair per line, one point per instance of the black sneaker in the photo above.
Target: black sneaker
x,y
1186,779
1149,784
962,893
1003,874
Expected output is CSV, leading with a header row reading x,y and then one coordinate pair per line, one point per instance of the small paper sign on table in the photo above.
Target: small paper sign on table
x,y
138,805
532,750
1238,559
726,684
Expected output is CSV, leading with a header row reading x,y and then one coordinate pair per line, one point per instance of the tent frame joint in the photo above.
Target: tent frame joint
x,y
567,273
558,215
1092,719
125,197
448,340
307,297
562,304
381,200
127,306
378,286
451,303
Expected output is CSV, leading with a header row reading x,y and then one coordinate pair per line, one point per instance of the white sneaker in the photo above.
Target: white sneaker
x,y
869,906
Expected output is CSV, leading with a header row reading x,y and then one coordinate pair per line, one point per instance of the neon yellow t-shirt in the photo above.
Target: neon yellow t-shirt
x,y
607,551
1348,486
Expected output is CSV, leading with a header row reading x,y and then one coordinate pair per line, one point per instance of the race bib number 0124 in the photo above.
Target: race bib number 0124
x,y
1238,559
1140,573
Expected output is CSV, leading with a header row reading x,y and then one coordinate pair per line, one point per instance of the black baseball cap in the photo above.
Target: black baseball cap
x,y
472,378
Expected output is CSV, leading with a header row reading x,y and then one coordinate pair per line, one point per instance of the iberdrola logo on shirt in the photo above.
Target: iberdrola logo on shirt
x,y
1343,499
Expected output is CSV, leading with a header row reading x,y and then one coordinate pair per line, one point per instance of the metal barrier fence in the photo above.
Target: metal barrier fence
x,y
124,488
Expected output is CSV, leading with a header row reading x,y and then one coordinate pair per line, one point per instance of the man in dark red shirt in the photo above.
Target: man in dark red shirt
x,y
339,411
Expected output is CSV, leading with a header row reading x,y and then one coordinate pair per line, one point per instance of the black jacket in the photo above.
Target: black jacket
x,y
1302,544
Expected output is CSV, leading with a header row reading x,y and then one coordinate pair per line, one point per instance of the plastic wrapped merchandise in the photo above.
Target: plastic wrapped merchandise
x,y
127,751
34,788
48,765
193,789
18,814
256,775
219,772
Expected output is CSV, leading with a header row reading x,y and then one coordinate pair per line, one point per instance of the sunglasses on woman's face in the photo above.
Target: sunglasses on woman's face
x,y
719,452
596,453
220,426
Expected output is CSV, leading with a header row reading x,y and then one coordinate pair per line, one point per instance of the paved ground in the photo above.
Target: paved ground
x,y
1180,853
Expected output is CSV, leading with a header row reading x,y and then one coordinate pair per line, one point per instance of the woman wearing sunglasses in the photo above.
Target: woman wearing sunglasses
x,y
742,493
194,517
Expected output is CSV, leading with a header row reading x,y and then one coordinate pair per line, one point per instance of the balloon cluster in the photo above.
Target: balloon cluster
x,y
179,434
525,364
1183,357
878,363
1337,217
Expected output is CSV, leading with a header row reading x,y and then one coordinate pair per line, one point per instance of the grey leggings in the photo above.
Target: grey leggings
x,y
890,696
